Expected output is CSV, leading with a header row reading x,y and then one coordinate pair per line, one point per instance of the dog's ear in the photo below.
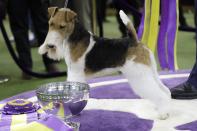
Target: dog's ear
x,y
52,11
70,15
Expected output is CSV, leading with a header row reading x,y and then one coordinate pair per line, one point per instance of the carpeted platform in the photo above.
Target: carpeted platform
x,y
114,107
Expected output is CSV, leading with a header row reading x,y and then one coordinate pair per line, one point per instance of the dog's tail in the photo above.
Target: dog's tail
x,y
125,19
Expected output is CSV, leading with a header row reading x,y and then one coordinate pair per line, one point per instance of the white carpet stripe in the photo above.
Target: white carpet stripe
x,y
112,82
171,76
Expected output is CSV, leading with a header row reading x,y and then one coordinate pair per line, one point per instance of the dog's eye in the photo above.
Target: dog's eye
x,y
62,26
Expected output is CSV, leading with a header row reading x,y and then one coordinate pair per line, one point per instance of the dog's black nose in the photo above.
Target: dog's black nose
x,y
50,46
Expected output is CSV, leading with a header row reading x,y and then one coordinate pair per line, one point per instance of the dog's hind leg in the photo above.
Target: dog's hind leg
x,y
156,75
143,83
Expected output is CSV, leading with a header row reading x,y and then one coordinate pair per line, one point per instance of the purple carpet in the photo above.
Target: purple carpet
x,y
104,120
100,120
189,126
117,91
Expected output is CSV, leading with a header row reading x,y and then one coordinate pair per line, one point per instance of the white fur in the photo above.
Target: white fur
x,y
124,17
156,75
142,79
53,38
145,79
76,69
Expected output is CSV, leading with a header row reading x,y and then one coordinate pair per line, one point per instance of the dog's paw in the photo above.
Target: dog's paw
x,y
163,116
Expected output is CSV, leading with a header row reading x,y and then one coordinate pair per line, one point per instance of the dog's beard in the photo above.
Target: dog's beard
x,y
42,50
56,54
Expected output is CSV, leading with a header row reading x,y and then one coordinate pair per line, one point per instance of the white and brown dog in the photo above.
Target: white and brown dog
x,y
87,55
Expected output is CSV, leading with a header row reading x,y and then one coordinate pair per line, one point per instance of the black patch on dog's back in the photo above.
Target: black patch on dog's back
x,y
108,53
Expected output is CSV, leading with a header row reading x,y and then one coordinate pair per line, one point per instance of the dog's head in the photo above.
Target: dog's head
x,y
61,25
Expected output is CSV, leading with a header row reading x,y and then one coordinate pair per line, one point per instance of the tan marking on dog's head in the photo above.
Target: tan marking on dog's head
x,y
141,54
52,11
78,49
62,20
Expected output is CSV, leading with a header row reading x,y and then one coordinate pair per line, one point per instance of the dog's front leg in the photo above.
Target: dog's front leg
x,y
75,69
76,73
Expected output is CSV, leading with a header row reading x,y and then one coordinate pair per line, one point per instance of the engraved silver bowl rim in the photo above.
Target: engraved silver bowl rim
x,y
80,88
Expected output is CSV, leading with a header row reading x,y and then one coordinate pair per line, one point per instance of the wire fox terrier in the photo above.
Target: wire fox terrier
x,y
87,55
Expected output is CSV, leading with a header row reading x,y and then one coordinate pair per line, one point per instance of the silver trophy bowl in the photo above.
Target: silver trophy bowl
x,y
63,99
